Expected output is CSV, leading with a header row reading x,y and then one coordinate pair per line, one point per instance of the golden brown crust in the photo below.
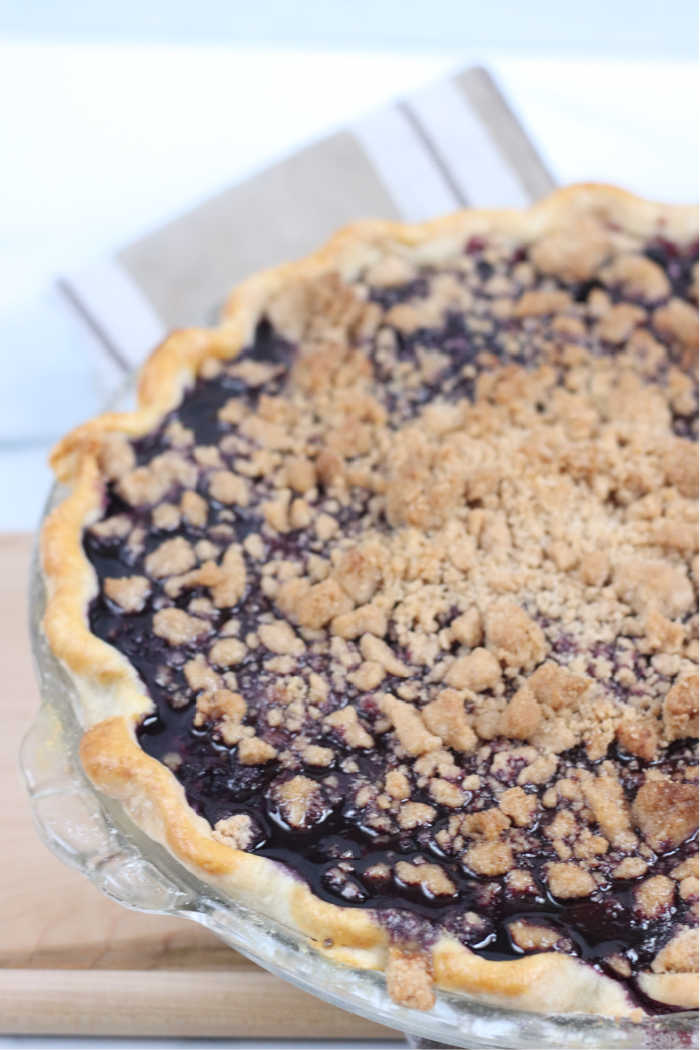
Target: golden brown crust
x,y
676,989
113,700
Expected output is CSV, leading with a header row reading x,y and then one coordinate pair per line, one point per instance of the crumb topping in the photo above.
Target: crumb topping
x,y
128,592
409,980
412,583
236,831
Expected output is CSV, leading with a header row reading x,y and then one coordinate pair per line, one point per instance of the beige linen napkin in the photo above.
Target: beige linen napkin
x,y
455,143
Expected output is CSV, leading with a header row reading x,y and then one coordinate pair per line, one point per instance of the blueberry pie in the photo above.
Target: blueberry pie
x,y
382,605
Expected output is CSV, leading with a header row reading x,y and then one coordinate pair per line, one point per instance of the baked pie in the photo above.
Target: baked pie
x,y
382,605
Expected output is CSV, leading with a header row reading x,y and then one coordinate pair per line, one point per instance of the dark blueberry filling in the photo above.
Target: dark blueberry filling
x,y
199,408
342,859
676,260
401,293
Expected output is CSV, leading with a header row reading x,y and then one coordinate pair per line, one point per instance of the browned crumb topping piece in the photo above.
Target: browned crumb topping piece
x,y
530,936
467,628
647,583
279,637
128,592
518,805
253,751
478,670
227,652
236,831
513,636
680,955
680,709
346,722
230,587
570,880
666,812
409,979
446,718
320,603
430,877
654,895
116,527
604,795
410,729
177,627
165,516
227,487
172,557
194,508
489,858
297,799
679,321
209,574
556,687
225,710
522,716
116,456
413,814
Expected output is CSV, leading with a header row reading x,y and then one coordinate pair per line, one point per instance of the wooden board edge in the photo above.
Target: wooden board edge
x,y
156,1003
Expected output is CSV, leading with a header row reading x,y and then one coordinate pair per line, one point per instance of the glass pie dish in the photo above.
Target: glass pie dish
x,y
92,833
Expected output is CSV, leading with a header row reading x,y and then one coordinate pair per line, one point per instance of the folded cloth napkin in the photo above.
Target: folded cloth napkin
x,y
453,144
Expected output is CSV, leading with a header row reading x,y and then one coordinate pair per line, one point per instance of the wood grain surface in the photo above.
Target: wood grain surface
x,y
73,962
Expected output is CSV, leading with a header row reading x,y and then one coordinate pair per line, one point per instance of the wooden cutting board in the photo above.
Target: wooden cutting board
x,y
73,962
